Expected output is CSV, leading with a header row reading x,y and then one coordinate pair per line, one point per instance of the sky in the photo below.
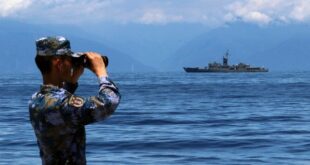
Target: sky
x,y
208,12
185,21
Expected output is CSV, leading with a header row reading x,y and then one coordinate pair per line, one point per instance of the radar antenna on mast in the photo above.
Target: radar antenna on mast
x,y
225,58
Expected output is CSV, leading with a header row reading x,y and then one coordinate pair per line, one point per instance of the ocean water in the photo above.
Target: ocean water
x,y
178,118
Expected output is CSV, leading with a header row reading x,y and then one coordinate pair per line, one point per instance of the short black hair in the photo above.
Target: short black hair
x,y
44,63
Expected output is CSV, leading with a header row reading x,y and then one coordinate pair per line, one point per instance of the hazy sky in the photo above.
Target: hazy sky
x,y
209,12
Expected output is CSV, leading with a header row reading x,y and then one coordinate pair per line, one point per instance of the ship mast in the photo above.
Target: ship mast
x,y
225,58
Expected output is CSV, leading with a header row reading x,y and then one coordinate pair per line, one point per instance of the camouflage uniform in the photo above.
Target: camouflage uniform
x,y
58,118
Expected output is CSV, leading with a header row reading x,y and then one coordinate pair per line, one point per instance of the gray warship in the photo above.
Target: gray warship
x,y
225,67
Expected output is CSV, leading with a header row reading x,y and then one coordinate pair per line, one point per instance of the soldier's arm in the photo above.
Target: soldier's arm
x,y
82,111
96,108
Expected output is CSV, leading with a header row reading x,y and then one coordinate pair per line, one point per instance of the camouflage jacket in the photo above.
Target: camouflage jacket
x,y
58,118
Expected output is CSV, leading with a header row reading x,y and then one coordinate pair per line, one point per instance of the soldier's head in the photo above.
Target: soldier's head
x,y
54,55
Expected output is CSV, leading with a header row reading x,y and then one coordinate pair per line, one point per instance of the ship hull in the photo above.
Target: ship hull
x,y
225,67
199,70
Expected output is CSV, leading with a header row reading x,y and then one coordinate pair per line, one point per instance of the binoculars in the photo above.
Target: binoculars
x,y
83,61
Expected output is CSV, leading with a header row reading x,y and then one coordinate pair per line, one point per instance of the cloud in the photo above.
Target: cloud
x,y
264,12
256,11
58,11
8,7
120,11
210,12
258,17
300,11
157,16
70,11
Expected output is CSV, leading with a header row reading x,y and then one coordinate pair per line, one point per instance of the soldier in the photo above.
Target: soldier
x,y
57,115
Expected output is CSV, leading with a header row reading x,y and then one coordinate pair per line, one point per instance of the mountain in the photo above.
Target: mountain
x,y
277,47
17,47
143,48
149,44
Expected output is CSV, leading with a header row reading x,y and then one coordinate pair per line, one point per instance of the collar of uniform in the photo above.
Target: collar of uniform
x,y
49,87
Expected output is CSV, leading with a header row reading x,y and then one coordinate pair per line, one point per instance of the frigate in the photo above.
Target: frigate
x,y
225,67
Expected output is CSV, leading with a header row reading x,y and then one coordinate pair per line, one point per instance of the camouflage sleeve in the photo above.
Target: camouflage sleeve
x,y
84,111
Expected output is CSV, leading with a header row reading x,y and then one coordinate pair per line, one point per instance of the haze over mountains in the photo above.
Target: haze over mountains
x,y
278,47
18,47
168,47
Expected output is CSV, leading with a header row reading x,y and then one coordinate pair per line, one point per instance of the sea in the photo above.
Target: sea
x,y
177,118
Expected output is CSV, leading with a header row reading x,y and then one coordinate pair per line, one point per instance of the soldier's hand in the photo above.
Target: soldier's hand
x,y
96,64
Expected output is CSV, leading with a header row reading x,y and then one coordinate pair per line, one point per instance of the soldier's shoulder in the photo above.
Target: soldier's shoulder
x,y
33,96
76,101
59,94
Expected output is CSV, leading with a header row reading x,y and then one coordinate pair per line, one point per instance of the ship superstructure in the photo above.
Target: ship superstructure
x,y
225,67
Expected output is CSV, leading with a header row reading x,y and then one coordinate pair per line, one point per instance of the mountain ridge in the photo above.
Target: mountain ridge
x,y
271,47
18,47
